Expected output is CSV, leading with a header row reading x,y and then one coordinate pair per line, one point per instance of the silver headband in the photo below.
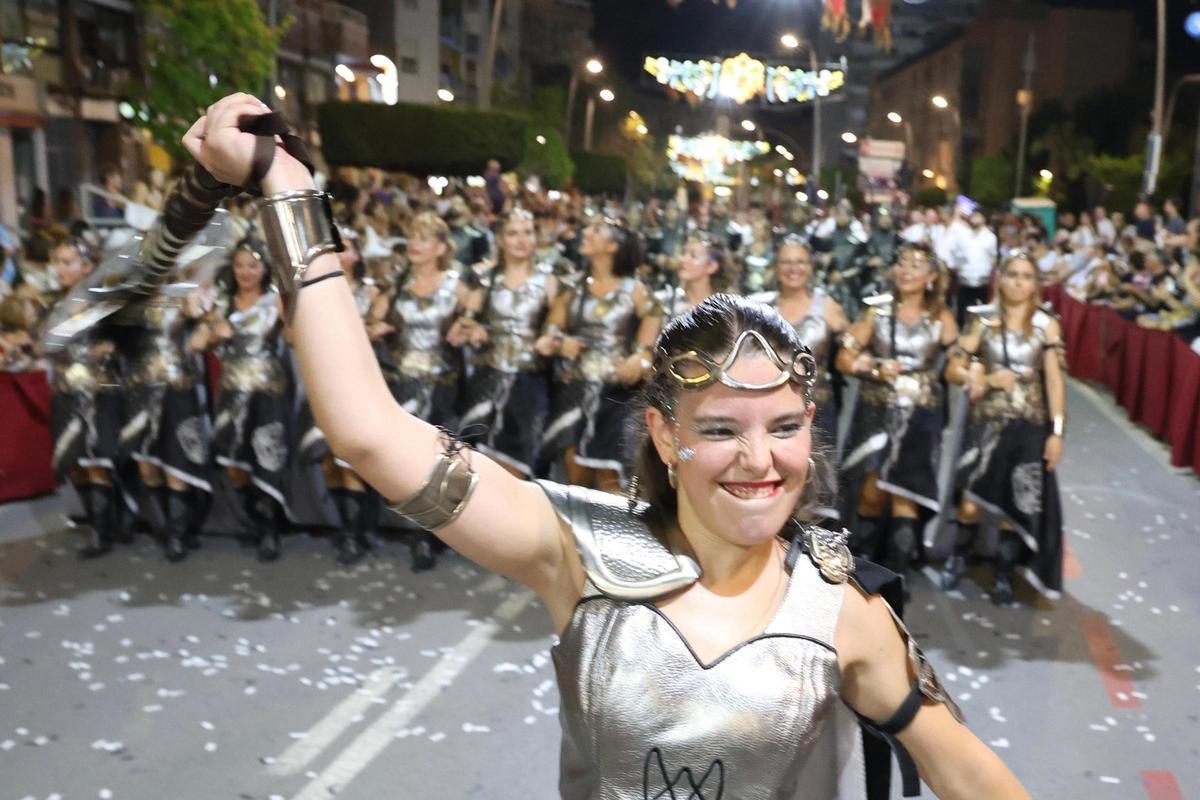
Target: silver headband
x,y
697,370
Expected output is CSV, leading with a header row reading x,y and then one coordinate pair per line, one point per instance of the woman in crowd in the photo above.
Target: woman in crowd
x,y
508,395
603,335
1010,361
423,368
350,495
253,408
86,410
889,467
705,268
166,431
817,318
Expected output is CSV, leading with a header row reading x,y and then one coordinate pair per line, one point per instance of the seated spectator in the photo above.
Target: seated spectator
x,y
18,318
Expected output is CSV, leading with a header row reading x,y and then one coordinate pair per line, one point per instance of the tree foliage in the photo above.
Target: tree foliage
x,y
548,158
196,53
421,139
599,174
991,180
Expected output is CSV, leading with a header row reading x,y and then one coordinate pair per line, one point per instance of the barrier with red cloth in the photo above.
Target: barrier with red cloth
x,y
25,445
1154,375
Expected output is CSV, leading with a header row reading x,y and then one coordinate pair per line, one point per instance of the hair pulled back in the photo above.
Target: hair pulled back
x,y
712,327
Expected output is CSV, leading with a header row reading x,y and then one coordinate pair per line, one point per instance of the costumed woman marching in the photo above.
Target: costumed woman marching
x,y
350,495
707,636
507,396
603,334
704,269
423,369
817,318
166,431
889,465
86,412
253,409
1011,362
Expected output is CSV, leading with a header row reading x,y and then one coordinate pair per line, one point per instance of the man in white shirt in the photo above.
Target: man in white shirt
x,y
1104,226
973,257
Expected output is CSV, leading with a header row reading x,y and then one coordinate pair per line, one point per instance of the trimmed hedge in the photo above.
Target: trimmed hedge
x,y
596,174
421,139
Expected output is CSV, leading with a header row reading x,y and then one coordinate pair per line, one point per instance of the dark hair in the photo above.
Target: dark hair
x,y
712,327
256,248
626,260
935,297
727,274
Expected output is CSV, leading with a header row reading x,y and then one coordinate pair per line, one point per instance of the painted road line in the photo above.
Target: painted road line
x,y
1161,785
1107,657
372,741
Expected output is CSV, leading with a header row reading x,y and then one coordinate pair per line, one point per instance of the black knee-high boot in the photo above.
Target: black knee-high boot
x,y
351,508
98,500
956,564
865,538
264,514
201,502
178,507
424,551
902,546
372,512
1006,562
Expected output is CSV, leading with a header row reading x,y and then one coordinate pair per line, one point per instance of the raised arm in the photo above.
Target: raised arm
x,y
508,525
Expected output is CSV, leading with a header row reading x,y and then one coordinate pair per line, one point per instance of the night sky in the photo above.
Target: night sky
x,y
626,30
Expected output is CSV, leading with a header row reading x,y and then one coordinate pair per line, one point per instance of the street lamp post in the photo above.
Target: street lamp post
x,y
595,68
941,103
791,41
590,115
895,118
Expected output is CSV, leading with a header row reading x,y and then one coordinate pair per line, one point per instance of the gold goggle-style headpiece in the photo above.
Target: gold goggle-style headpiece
x,y
696,370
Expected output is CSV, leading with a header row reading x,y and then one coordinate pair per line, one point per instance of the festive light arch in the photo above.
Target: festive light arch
x,y
707,158
743,78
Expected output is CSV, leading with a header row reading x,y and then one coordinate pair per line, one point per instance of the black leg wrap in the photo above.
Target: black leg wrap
x,y
98,500
864,540
264,514
351,507
1006,562
956,564
200,505
179,512
424,552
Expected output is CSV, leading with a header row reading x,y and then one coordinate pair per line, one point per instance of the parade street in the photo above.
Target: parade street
x,y
129,677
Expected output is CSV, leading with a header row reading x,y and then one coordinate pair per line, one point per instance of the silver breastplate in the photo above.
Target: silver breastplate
x,y
420,347
813,331
638,706
160,357
606,326
512,319
255,330
917,345
1024,354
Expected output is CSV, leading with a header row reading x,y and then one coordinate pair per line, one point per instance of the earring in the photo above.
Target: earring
x,y
671,475
632,493
685,453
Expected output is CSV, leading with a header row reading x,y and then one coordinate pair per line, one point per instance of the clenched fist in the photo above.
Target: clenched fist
x,y
228,153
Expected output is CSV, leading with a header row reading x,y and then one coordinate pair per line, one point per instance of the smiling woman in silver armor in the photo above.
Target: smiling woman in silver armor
x,y
1010,361
708,637
252,422
889,466
508,395
817,318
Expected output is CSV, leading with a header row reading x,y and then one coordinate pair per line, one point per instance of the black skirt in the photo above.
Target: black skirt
x,y
1002,470
429,400
168,427
86,429
591,417
902,445
252,432
504,414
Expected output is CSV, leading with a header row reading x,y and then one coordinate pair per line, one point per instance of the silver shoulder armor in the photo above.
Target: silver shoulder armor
x,y
882,303
829,553
622,556
988,314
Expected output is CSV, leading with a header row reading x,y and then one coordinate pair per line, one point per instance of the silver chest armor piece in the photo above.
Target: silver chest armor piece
x,y
606,325
513,317
917,344
420,349
643,717
814,332
1023,353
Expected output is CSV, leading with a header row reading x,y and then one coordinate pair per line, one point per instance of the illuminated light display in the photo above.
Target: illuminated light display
x,y
707,158
743,78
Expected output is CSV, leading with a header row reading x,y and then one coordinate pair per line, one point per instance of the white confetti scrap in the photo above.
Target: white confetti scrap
x,y
468,727
1109,779
437,737
1000,743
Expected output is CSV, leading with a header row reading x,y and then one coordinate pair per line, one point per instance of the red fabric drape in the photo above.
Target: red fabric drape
x,y
25,446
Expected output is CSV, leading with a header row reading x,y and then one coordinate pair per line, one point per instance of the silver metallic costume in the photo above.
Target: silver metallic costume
x,y
421,367
1002,467
815,333
643,717
253,410
508,390
588,404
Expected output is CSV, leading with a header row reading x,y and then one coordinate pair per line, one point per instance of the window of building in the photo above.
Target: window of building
x,y
41,22
472,43
408,65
